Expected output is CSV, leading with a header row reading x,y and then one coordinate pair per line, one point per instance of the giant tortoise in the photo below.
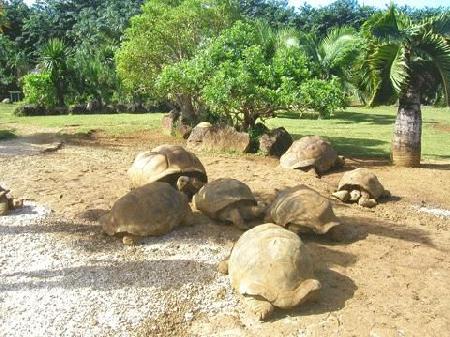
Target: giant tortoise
x,y
171,164
151,209
228,200
271,267
311,153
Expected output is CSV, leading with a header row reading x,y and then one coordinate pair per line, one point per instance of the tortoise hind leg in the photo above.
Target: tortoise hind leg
x,y
259,306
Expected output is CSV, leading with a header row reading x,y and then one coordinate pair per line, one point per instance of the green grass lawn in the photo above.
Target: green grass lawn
x,y
114,124
356,132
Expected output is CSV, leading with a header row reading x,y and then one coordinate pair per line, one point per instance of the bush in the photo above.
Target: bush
x,y
39,90
324,97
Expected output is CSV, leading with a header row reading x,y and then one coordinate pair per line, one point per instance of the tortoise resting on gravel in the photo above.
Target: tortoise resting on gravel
x,y
171,164
311,152
271,267
7,202
228,200
152,209
301,210
362,186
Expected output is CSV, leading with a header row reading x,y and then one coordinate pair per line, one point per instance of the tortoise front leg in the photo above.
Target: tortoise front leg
x,y
233,215
260,307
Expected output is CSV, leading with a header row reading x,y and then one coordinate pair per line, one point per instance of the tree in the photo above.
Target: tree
x,y
402,59
54,60
165,33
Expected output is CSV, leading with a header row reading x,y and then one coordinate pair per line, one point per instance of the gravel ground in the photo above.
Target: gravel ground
x,y
68,279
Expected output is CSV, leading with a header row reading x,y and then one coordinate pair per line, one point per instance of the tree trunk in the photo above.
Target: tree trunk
x,y
187,110
406,143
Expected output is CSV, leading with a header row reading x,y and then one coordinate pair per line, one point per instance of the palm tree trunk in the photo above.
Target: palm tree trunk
x,y
406,143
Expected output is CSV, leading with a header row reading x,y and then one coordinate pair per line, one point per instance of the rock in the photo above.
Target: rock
x,y
222,138
355,195
341,195
275,142
182,130
58,110
30,110
94,106
77,109
195,139
6,101
120,108
386,194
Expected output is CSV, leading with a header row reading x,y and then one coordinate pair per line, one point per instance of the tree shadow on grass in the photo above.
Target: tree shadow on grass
x,y
351,117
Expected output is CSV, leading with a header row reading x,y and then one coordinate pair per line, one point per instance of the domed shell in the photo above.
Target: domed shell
x,y
308,152
152,209
271,262
218,194
362,178
300,209
165,163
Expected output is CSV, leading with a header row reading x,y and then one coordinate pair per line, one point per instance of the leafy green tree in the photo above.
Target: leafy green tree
x,y
241,75
54,60
277,13
165,33
402,59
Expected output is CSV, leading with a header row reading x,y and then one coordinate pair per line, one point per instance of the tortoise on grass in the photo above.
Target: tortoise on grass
x,y
152,209
228,200
301,209
271,267
7,202
171,164
311,153
361,186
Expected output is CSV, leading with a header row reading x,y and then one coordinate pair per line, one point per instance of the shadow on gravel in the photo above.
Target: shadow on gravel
x,y
336,290
161,274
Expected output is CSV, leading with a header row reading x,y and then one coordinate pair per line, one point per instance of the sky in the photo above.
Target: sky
x,y
378,3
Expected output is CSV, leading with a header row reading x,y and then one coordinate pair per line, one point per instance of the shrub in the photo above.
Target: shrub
x,y
39,90
324,97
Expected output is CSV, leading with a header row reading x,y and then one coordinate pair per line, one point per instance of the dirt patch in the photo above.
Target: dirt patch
x,y
391,279
442,127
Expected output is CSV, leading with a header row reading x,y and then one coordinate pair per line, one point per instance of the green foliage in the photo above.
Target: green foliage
x,y
240,76
54,60
38,89
324,97
402,54
167,32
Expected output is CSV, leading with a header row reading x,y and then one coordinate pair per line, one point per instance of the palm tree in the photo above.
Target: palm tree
x,y
54,59
402,58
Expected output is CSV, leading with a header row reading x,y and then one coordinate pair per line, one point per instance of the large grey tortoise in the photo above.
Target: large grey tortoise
x,y
171,164
361,186
7,202
152,209
228,200
311,153
301,209
271,267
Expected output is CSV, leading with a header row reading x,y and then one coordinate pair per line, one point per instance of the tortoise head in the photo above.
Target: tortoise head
x,y
107,223
189,185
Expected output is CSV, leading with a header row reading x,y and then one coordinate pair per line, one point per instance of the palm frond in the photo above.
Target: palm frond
x,y
436,48
387,27
388,63
337,42
288,37
439,24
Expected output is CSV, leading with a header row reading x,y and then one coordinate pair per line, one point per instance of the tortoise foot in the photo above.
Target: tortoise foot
x,y
261,308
